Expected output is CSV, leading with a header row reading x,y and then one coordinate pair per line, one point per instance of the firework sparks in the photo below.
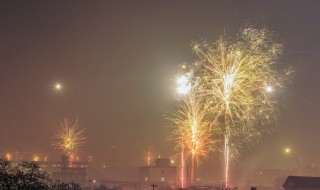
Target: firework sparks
x,y
230,89
149,157
69,138
36,158
182,173
234,82
148,150
192,133
8,156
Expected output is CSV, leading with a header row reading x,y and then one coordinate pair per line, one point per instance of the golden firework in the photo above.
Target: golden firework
x,y
236,79
192,132
36,158
8,156
149,158
69,138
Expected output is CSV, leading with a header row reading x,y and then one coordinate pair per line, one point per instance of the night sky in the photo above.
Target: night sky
x,y
117,62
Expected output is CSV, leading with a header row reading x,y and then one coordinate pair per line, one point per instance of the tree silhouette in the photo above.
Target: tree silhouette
x,y
65,186
28,176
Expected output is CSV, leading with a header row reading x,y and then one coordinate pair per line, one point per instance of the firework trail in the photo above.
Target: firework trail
x,y
192,134
148,150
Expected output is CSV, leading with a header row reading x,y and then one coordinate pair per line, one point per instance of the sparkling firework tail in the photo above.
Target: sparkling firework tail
x,y
182,167
192,133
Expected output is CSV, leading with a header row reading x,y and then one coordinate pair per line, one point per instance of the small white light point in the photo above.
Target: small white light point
x,y
269,89
58,86
287,150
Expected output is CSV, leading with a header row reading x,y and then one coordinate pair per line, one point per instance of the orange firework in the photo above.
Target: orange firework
x,y
192,133
148,151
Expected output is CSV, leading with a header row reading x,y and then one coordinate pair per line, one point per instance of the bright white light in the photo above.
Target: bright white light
x,y
269,89
183,84
228,82
182,80
229,79
58,86
184,89
287,150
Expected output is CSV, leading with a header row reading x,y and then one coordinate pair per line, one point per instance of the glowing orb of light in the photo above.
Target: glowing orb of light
x,y
287,150
229,79
8,156
183,84
269,89
58,86
36,158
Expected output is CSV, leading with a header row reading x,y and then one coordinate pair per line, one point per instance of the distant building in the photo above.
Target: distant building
x,y
77,175
162,172
302,183
71,171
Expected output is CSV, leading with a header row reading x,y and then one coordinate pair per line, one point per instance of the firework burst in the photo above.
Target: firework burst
x,y
192,133
69,138
236,79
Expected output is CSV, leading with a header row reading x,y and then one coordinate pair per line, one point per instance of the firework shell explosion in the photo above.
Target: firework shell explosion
x,y
69,138
236,79
192,133
232,85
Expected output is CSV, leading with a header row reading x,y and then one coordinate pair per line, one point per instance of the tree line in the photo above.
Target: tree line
x,y
28,176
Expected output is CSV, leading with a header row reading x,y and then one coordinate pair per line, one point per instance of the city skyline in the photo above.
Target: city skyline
x,y
113,66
